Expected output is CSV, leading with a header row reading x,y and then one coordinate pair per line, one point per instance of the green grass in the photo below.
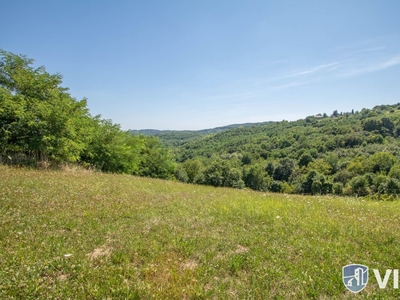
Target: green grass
x,y
86,235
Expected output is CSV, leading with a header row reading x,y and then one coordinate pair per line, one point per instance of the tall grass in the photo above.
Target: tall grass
x,y
87,235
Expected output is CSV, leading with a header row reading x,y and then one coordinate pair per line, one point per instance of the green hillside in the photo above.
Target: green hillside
x,y
351,153
179,137
345,153
85,235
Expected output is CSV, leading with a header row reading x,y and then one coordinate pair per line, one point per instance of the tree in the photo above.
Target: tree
x,y
337,188
343,177
255,178
388,126
246,159
112,150
305,159
270,168
321,166
315,183
359,185
284,169
380,162
180,174
372,124
353,140
38,117
395,172
357,165
332,159
275,186
220,173
156,160
391,186
193,168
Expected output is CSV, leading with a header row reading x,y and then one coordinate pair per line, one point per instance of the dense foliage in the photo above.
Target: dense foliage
x,y
345,153
41,123
173,138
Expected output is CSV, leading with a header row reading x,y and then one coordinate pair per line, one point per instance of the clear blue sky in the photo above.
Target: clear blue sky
x,y
201,64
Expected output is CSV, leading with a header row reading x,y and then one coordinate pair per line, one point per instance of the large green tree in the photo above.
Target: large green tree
x,y
156,160
40,120
38,117
111,150
221,173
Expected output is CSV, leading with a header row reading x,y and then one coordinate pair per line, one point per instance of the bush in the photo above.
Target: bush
x,y
255,178
193,168
156,160
220,173
287,188
284,169
359,186
181,175
343,177
380,162
305,159
275,186
337,188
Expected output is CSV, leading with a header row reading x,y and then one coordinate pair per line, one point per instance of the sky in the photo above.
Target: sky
x,y
188,65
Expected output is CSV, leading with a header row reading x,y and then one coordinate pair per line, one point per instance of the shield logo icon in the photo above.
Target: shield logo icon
x,y
355,277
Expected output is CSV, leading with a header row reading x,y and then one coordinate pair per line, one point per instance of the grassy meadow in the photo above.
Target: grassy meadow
x,y
77,234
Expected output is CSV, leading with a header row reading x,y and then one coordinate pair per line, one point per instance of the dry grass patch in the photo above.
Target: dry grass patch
x,y
101,252
242,249
190,265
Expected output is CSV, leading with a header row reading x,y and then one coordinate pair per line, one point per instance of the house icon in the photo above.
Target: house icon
x,y
355,277
358,278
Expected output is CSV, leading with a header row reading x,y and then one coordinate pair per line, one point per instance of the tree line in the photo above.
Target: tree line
x,y
351,153
41,122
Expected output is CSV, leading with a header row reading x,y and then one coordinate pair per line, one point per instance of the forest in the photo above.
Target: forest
x,y
351,153
42,125
343,153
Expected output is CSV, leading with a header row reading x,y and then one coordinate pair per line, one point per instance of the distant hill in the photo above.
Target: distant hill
x,y
179,137
366,131
356,152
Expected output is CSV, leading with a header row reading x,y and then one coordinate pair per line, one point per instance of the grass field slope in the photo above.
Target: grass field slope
x,y
85,235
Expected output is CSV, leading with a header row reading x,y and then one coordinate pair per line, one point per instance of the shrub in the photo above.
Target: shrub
x,y
337,188
359,186
220,173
